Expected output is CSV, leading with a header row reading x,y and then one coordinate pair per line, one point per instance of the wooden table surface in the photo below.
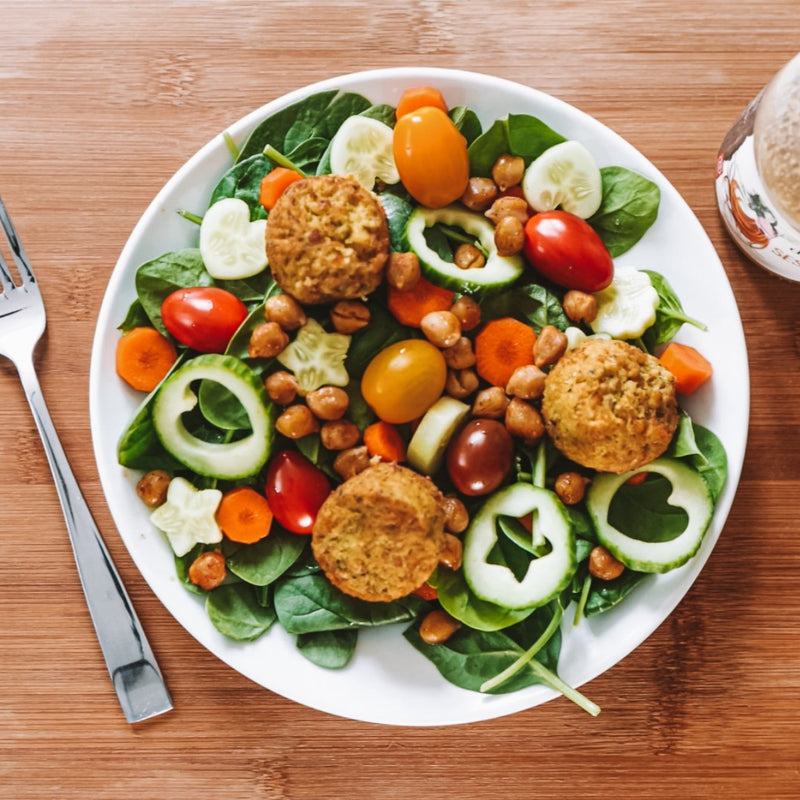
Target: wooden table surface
x,y
99,104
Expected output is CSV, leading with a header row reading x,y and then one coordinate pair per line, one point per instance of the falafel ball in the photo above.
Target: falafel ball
x,y
378,535
609,406
327,239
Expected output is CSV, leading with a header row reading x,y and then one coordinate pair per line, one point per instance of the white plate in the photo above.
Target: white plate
x,y
387,680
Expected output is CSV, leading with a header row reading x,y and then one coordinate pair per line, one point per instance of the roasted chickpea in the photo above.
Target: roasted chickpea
x,y
523,421
438,626
296,422
452,552
580,306
402,270
441,328
603,565
460,355
208,570
550,345
467,256
468,312
479,194
267,340
526,382
571,487
461,383
340,434
351,461
328,402
281,387
349,316
285,310
152,488
508,171
509,236
456,514
508,206
490,403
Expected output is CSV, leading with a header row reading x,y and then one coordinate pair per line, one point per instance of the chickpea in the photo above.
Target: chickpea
x,y
523,421
340,434
281,387
468,312
571,487
328,402
603,565
438,626
267,340
467,256
508,206
208,570
441,328
152,488
551,344
452,552
490,403
509,236
580,306
526,382
461,383
349,316
402,270
286,311
508,171
296,422
456,514
460,355
351,461
479,194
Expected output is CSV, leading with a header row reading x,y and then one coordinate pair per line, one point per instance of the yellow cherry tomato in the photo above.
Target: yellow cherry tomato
x,y
431,157
403,381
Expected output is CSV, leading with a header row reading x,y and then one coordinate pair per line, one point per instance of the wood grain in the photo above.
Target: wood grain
x,y
99,104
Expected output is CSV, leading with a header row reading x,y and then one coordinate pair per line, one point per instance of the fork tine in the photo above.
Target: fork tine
x,y
6,281
18,251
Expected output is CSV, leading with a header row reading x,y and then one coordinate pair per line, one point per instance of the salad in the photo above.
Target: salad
x,y
257,409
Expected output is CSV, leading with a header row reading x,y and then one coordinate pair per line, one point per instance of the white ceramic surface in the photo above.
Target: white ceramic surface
x,y
387,680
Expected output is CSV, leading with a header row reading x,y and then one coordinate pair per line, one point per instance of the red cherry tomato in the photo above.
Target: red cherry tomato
x,y
567,250
480,457
295,490
203,317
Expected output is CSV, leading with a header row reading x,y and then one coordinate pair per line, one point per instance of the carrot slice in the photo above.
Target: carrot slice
x,y
690,368
382,439
274,184
409,306
419,97
244,515
426,592
144,357
501,346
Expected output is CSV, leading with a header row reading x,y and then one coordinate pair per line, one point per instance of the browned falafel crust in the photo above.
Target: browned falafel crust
x,y
327,239
379,535
609,406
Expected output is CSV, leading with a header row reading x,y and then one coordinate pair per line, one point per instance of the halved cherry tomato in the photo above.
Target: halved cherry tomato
x,y
431,157
295,489
203,317
567,250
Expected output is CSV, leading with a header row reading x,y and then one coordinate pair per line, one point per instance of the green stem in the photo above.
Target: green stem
x,y
281,160
456,235
549,678
540,467
587,585
681,317
231,145
190,216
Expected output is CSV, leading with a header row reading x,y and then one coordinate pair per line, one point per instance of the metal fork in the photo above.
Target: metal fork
x,y
134,672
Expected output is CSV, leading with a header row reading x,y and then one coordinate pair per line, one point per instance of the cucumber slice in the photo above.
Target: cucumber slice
x,y
434,432
498,272
565,176
229,460
689,492
626,308
362,147
231,246
546,576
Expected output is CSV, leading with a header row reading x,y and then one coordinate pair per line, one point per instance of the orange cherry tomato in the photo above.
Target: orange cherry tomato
x,y
431,156
419,97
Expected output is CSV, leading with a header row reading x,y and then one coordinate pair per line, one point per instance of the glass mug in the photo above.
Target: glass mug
x,y
758,176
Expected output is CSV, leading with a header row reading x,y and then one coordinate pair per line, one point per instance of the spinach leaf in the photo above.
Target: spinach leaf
x,y
670,315
243,181
397,209
642,511
532,303
139,446
704,451
237,611
135,318
467,122
262,563
329,649
606,594
629,207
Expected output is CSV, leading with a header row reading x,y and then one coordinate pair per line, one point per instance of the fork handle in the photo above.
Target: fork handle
x,y
134,672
